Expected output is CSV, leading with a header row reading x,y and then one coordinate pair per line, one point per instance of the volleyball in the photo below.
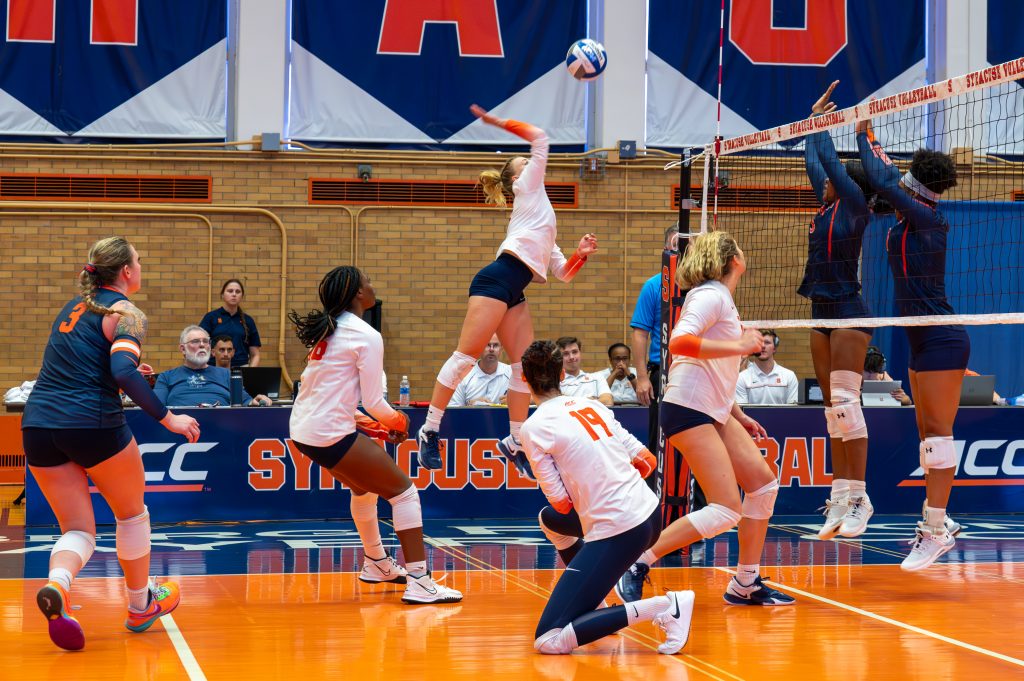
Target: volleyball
x,y
586,59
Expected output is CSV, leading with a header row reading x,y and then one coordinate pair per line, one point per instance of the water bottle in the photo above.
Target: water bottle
x,y
403,392
236,387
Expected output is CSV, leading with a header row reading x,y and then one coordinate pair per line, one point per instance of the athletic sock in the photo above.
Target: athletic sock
x,y
935,517
840,489
364,514
647,609
434,416
138,599
62,577
746,574
514,427
647,558
858,488
416,569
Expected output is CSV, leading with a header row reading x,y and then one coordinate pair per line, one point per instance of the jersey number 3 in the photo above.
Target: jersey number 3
x,y
76,313
591,420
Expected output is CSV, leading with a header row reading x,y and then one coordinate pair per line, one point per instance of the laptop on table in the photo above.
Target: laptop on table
x,y
262,381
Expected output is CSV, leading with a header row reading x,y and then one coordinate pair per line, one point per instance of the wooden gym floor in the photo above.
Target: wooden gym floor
x,y
281,601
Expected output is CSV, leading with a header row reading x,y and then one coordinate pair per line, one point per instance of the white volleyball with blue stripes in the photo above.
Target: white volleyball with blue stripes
x,y
586,59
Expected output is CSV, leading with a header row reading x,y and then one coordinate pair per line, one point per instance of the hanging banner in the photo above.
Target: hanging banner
x,y
406,71
778,57
114,68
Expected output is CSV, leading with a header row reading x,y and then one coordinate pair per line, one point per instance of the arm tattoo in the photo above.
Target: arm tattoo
x,y
133,321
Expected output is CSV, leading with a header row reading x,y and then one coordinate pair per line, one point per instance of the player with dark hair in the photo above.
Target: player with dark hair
x,y
832,283
916,248
346,359
74,426
602,514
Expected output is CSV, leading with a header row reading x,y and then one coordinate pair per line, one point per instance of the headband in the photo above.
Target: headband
x,y
914,185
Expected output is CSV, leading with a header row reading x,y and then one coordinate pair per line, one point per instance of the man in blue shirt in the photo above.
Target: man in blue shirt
x,y
197,383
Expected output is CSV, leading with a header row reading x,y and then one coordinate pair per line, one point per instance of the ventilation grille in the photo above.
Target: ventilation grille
x,y
421,192
12,461
1018,195
130,188
756,198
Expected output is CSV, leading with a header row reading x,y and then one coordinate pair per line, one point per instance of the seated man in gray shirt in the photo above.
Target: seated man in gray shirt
x,y
197,383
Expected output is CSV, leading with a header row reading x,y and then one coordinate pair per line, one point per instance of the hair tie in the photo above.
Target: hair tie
x,y
90,268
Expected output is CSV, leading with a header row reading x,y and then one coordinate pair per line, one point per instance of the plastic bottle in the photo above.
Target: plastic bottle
x,y
403,392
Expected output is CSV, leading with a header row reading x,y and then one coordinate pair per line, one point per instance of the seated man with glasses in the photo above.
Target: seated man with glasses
x,y
197,383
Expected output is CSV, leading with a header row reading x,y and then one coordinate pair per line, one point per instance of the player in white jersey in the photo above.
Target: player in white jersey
x,y
699,416
496,300
346,359
587,466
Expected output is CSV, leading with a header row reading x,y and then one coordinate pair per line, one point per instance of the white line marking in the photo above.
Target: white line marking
x,y
188,660
889,620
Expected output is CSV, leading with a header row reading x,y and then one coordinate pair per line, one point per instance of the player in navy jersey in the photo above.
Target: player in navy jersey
x,y
832,283
74,425
916,248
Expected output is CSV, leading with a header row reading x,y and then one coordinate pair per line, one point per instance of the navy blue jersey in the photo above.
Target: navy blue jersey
x,y
836,233
187,387
219,323
916,245
76,387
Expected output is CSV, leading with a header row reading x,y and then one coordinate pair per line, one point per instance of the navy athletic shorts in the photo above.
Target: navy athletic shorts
x,y
676,418
847,308
87,447
505,279
938,348
329,456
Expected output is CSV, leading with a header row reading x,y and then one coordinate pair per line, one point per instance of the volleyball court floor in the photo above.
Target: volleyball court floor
x,y
280,600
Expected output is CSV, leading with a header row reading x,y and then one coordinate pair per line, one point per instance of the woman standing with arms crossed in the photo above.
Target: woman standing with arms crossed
x,y
497,303
916,248
74,425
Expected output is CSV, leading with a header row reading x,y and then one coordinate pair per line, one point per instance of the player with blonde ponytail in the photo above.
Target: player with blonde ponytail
x,y
496,300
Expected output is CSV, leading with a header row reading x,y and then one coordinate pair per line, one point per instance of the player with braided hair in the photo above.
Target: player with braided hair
x,y
346,359
497,303
74,426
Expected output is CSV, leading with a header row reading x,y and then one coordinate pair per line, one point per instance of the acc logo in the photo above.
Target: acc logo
x,y
986,463
174,476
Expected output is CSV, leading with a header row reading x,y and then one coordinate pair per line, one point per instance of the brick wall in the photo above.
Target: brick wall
x,y
421,260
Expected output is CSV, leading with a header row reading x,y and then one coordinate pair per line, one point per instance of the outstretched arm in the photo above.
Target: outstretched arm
x,y
812,162
885,177
533,174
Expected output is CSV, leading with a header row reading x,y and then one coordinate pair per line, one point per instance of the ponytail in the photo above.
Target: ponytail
x,y
106,258
338,289
496,184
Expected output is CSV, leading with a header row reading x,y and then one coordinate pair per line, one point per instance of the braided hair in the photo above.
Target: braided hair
x,y
338,289
106,258
542,367
241,312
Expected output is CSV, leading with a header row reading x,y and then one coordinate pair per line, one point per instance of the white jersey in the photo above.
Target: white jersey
x,y
531,229
622,390
778,386
584,384
579,451
342,371
706,385
479,386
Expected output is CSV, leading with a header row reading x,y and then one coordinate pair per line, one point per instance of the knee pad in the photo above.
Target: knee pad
x,y
845,388
559,541
405,510
133,536
938,452
760,504
364,506
456,368
830,423
76,541
517,382
557,641
713,520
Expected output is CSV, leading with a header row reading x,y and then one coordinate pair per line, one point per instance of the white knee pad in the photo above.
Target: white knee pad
x,y
456,368
364,506
845,388
133,536
760,504
557,641
831,424
713,520
517,382
560,541
78,542
938,452
405,510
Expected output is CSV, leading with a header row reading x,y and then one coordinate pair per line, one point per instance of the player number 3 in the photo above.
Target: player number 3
x,y
76,312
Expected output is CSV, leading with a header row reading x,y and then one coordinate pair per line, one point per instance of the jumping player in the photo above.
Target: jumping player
x,y
587,466
74,425
916,247
346,360
699,416
832,283
497,303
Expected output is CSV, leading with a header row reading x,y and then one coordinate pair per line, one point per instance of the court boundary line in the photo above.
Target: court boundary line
x,y
181,647
888,620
